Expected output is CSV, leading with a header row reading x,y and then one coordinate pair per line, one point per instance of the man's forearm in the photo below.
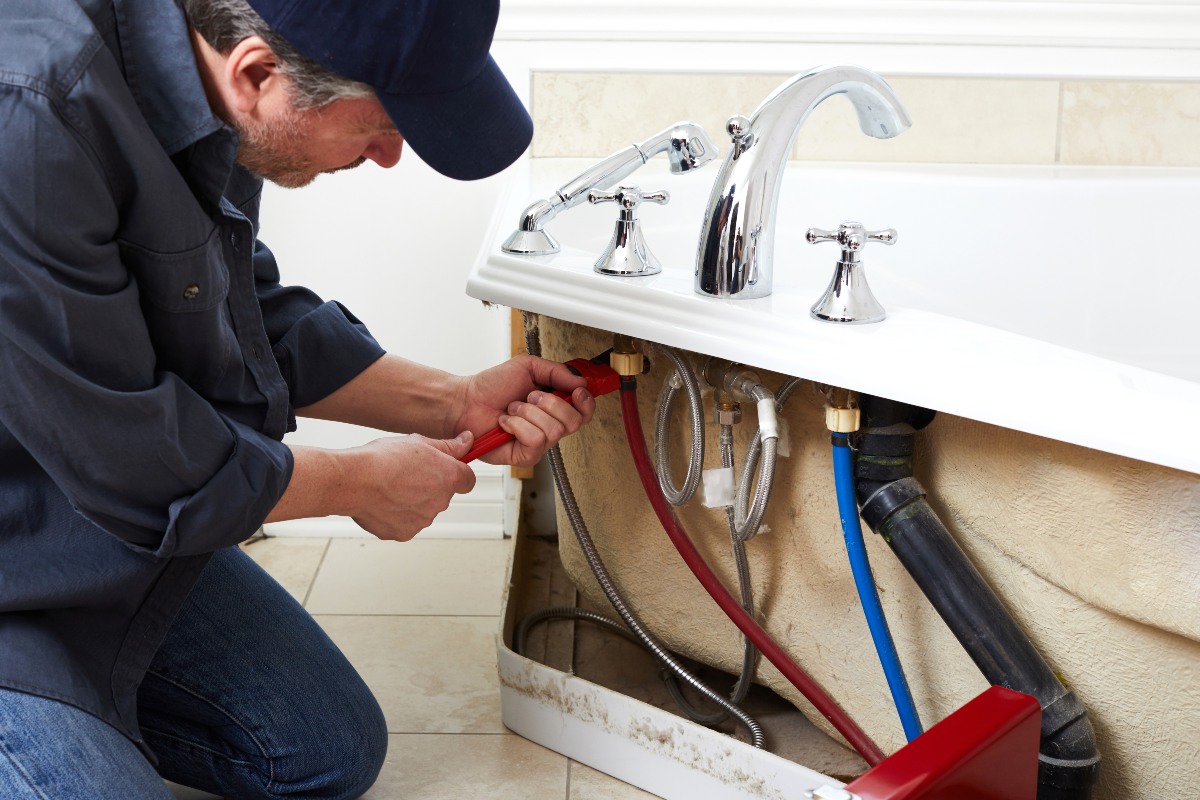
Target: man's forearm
x,y
392,487
322,483
397,395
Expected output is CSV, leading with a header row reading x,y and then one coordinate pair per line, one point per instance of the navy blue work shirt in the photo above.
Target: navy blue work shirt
x,y
150,360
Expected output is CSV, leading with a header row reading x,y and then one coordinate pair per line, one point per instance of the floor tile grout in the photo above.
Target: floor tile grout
x,y
418,596
313,581
328,567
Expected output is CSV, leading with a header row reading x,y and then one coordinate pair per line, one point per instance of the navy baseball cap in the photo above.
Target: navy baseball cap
x,y
429,64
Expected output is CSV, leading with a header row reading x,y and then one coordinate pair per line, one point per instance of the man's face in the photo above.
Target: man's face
x,y
292,147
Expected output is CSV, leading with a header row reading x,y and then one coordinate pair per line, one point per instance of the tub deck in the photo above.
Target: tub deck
x,y
1040,299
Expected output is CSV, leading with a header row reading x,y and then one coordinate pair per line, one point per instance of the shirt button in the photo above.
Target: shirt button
x,y
192,291
235,240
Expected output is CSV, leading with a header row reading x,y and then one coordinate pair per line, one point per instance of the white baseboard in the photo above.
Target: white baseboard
x,y
488,512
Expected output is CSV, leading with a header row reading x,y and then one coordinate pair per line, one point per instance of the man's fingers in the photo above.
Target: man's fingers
x,y
553,373
552,416
463,479
457,447
583,401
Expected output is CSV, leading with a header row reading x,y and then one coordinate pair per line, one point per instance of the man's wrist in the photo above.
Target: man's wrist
x,y
324,483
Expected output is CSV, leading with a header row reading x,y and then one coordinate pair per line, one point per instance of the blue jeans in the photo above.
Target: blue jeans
x,y
246,698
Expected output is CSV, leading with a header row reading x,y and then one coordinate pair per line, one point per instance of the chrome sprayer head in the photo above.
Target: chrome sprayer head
x,y
685,144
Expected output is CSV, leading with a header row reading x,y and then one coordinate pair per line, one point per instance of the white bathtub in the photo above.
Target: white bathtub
x,y
1049,301
1057,301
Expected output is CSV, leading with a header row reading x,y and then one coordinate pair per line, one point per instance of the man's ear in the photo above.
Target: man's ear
x,y
253,77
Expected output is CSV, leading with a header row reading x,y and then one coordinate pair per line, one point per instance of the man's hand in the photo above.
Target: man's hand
x,y
409,480
395,486
511,396
392,487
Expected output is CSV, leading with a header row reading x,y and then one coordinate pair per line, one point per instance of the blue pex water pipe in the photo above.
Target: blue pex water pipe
x,y
843,473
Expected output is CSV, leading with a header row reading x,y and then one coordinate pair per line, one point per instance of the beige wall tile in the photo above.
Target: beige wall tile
x,y
955,120
1130,123
594,114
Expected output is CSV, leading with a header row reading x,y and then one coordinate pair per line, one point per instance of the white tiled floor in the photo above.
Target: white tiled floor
x,y
419,621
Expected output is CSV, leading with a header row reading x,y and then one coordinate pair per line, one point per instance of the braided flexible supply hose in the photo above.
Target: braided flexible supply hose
x,y
670,679
687,380
684,377
825,704
571,506
745,588
760,458
596,564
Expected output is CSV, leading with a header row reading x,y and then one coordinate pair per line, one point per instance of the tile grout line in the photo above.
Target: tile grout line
x,y
336,563
313,581
1058,124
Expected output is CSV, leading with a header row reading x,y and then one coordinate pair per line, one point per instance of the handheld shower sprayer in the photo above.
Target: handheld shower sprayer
x,y
685,144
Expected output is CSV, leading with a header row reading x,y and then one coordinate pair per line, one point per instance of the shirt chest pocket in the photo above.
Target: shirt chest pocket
x,y
184,298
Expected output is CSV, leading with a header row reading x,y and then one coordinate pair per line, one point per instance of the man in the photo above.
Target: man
x,y
151,363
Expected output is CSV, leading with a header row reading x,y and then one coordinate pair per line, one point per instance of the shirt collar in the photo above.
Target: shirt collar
x,y
161,72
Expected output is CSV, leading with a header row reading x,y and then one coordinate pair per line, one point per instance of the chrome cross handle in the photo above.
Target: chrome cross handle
x,y
628,197
627,253
848,298
853,237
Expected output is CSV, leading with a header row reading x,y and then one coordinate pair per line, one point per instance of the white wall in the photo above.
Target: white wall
x,y
395,247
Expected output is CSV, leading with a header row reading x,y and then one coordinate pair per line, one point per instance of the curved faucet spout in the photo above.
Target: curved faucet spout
x,y
735,255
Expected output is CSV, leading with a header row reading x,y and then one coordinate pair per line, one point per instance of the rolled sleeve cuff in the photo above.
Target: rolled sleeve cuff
x,y
235,501
323,351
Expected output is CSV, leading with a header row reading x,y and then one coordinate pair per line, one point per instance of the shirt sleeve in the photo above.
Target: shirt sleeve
x,y
319,346
133,447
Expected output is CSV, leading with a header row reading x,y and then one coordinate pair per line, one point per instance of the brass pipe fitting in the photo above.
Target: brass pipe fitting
x,y
625,358
728,413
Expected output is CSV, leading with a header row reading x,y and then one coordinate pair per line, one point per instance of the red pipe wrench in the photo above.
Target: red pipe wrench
x,y
601,379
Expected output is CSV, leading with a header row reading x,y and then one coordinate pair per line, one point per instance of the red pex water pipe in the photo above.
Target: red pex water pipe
x,y
712,584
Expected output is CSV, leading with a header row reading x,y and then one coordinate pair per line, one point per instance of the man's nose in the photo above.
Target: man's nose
x,y
385,150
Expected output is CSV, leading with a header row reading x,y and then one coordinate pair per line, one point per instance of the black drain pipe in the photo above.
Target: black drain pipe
x,y
893,503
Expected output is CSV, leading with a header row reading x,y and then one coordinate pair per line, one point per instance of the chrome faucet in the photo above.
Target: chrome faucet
x,y
848,298
627,253
687,147
736,250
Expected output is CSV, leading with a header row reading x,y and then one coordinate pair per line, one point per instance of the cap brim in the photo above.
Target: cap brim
x,y
470,133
